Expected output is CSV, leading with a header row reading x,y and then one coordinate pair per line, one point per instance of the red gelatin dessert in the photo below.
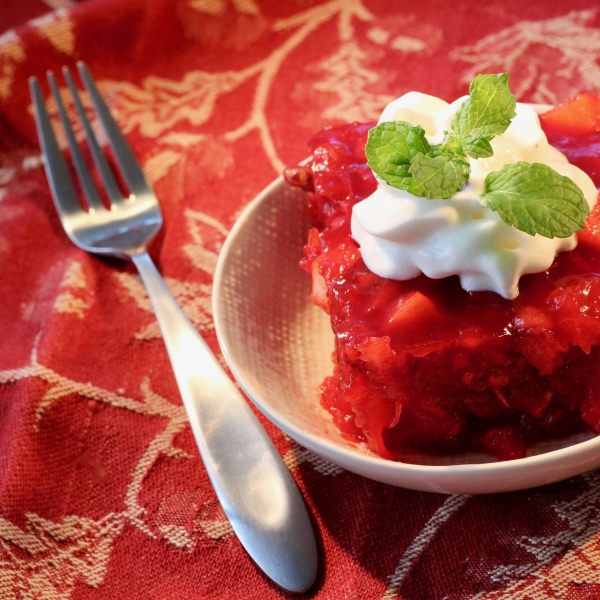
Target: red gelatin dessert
x,y
423,365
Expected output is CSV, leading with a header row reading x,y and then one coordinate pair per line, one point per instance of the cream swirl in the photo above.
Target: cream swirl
x,y
402,236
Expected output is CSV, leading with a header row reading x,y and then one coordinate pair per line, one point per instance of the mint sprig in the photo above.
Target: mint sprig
x,y
438,176
531,197
478,147
536,199
488,111
392,146
390,149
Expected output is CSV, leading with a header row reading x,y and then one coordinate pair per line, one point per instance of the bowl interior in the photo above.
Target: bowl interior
x,y
276,341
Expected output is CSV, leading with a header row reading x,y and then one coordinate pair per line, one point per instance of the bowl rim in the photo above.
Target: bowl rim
x,y
344,455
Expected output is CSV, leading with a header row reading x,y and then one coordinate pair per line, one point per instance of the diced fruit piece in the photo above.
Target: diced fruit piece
x,y
590,236
376,353
319,287
544,350
577,116
413,311
576,310
299,177
311,249
339,406
538,343
531,317
335,156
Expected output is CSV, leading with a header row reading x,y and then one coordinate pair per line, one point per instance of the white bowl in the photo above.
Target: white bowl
x,y
279,345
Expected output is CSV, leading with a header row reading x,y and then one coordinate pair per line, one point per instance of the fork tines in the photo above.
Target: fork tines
x,y
56,168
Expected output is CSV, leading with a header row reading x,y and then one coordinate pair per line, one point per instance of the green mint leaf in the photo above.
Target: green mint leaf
x,y
478,147
437,177
536,199
475,146
390,149
451,145
488,110
397,176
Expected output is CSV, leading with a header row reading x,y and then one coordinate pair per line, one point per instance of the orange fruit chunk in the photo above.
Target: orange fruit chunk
x,y
578,116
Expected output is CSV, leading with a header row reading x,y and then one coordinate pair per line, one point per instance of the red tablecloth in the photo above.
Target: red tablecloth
x,y
102,492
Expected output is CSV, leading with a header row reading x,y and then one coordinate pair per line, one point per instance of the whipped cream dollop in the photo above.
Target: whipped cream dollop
x,y
402,236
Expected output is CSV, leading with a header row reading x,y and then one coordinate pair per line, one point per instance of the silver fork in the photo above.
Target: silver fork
x,y
255,488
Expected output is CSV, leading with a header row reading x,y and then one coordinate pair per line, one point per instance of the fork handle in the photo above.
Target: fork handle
x,y
255,488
